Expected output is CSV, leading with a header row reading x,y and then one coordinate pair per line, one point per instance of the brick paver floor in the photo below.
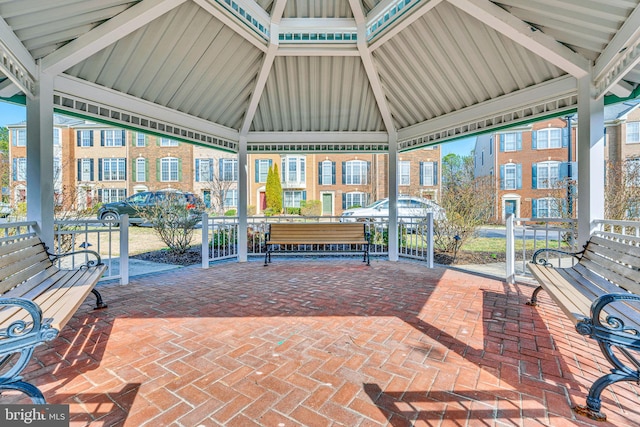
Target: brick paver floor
x,y
323,343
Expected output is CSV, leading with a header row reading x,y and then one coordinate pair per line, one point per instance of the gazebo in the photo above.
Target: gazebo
x,y
376,76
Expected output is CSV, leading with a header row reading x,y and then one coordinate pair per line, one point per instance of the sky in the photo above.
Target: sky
x,y
11,114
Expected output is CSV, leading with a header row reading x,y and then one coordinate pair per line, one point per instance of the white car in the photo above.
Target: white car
x,y
408,208
5,210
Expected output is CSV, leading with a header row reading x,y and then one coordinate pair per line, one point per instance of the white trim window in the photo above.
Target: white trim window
x,y
169,167
141,169
114,169
633,132
404,172
549,138
548,207
85,138
85,169
110,195
355,199
510,176
203,172
231,198
21,169
141,139
327,172
57,172
19,137
293,169
293,198
57,137
228,170
356,172
263,169
428,174
510,141
166,142
113,138
548,175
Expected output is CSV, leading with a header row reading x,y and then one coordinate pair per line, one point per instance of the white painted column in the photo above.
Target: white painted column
x,y
590,158
393,196
243,190
40,158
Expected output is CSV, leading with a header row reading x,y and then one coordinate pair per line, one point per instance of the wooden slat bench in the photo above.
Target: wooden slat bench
x,y
601,295
37,299
287,237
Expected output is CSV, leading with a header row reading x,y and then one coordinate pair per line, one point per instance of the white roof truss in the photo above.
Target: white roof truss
x,y
15,60
232,22
367,62
526,35
267,63
620,56
104,35
550,98
402,23
80,98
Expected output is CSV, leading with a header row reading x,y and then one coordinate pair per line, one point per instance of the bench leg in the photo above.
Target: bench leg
x,y
99,303
266,258
534,297
592,408
29,389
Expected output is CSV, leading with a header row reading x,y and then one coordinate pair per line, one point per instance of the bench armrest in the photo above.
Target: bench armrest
x,y
543,261
24,331
613,330
89,263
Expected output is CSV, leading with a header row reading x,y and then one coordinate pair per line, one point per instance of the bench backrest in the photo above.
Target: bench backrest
x,y
616,261
21,260
336,231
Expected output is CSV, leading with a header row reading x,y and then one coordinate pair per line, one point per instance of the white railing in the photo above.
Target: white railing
x,y
219,235
14,231
110,239
618,230
524,236
78,235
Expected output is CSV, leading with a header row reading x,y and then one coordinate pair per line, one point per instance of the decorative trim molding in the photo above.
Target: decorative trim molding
x,y
322,147
93,110
494,122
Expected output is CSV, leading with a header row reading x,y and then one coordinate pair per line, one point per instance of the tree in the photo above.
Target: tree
x,y
4,161
622,190
467,201
273,192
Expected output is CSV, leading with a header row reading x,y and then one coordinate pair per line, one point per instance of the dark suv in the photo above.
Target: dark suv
x,y
136,204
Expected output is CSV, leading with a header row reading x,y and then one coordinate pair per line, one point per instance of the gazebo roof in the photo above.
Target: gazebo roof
x,y
312,75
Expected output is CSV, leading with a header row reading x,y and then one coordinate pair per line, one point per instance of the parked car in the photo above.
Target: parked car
x,y
139,203
5,210
409,208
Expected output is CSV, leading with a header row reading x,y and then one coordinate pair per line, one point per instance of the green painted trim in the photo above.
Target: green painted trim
x,y
135,129
612,99
16,99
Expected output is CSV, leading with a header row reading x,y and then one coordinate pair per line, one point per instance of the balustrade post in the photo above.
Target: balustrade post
x,y
205,240
124,249
430,239
510,251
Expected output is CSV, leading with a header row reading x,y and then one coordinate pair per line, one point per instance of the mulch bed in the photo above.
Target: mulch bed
x,y
193,256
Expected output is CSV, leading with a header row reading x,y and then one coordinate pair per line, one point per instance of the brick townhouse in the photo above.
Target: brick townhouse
x,y
99,164
530,166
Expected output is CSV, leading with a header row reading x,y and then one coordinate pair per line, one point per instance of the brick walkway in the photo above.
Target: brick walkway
x,y
323,343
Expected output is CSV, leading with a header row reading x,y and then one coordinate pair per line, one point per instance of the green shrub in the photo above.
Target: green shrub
x,y
311,208
269,212
230,212
292,211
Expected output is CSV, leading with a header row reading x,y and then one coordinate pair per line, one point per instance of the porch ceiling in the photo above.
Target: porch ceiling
x,y
340,74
